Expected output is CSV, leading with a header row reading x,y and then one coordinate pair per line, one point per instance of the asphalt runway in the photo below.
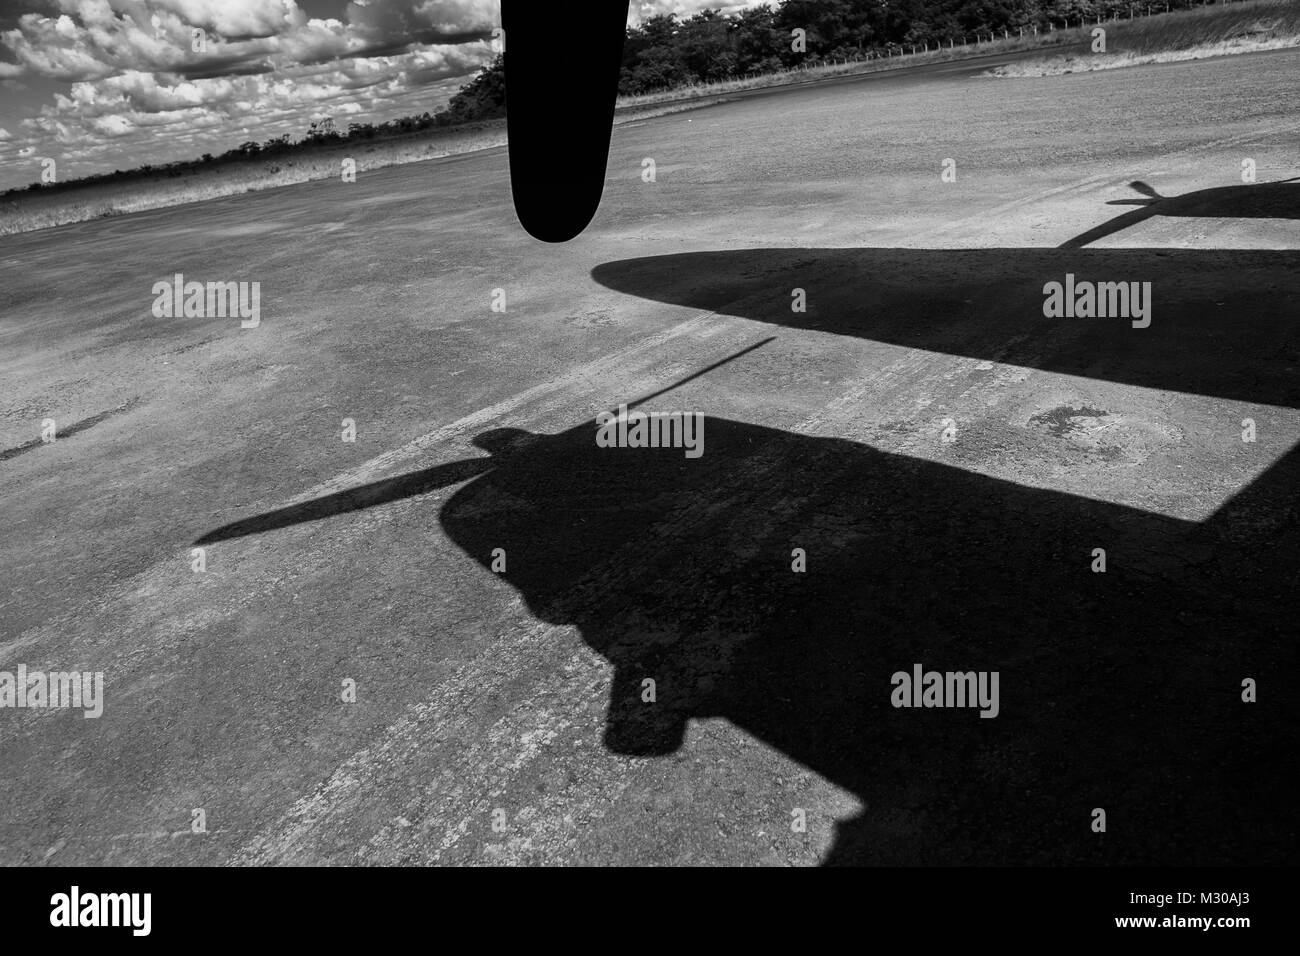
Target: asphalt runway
x,y
946,457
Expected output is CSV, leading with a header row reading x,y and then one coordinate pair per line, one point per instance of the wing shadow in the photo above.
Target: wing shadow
x,y
1223,323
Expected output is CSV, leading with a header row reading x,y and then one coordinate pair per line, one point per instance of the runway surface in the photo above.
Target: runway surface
x,y
947,458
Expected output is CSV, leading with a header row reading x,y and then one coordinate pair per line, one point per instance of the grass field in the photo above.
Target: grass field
x,y
72,202
942,54
1220,30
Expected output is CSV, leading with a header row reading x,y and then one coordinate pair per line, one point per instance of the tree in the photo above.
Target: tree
x,y
483,97
322,129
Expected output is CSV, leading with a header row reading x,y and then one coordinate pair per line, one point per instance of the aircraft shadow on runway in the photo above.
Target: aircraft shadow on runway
x,y
1119,690
1278,200
1223,322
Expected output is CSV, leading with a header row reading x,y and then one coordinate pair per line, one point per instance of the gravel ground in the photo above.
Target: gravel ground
x,y
947,458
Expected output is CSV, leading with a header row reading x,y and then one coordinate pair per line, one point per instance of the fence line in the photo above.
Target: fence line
x,y
1151,8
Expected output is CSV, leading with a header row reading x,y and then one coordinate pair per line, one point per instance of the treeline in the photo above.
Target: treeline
x,y
667,52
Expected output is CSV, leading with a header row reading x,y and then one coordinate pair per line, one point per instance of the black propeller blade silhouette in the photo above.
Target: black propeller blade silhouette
x,y
562,75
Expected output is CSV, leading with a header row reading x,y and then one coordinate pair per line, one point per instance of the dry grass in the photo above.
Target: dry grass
x,y
70,202
1220,30
700,91
42,208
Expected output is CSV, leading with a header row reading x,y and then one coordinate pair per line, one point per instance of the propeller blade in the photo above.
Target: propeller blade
x,y
562,71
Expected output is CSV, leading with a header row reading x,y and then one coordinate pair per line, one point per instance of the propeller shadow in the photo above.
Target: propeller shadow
x,y
1280,200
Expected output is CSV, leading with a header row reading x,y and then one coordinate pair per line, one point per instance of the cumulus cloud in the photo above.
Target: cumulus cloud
x,y
135,85
640,10
227,17
131,80
154,119
91,39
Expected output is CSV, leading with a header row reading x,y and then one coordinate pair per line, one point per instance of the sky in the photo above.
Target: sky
x,y
99,85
